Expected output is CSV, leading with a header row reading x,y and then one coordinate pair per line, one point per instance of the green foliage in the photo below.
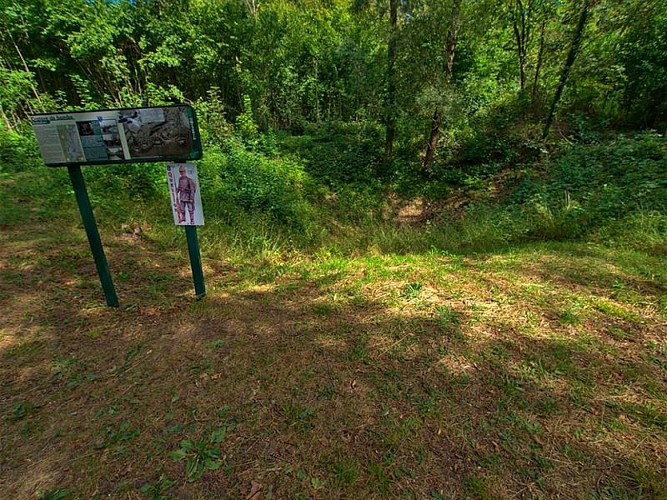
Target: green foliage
x,y
594,185
258,75
57,494
327,61
160,489
338,154
16,92
25,182
123,434
213,125
127,183
22,410
18,151
500,131
202,455
641,230
245,124
627,70
236,182
563,221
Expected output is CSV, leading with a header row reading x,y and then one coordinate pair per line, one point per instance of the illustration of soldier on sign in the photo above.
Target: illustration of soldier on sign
x,y
185,197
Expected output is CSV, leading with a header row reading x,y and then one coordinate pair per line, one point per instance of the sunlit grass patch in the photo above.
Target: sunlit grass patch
x,y
338,375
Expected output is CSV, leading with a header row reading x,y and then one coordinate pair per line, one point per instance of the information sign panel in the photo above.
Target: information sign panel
x,y
127,135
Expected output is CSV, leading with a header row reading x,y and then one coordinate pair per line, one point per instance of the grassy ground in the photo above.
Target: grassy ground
x,y
535,371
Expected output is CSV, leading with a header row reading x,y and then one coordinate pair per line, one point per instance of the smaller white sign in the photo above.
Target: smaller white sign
x,y
185,196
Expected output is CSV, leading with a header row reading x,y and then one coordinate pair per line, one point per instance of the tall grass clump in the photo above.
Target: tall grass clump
x,y
644,230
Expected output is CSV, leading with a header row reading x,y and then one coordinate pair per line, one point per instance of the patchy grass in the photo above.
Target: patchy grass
x,y
533,371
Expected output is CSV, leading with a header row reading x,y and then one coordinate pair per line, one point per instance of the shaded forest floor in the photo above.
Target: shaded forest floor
x,y
533,371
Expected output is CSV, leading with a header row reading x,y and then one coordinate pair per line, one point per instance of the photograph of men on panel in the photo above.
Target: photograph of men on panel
x,y
186,195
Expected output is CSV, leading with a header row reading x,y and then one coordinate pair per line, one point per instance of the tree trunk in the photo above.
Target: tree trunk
x,y
390,110
569,62
520,28
538,65
448,69
27,70
5,119
432,144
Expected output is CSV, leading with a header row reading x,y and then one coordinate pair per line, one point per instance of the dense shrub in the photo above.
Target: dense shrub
x,y
236,181
340,154
18,150
588,186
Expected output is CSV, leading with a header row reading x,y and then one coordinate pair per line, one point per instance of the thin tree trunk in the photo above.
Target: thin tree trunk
x,y
569,62
432,145
5,119
450,52
521,36
538,65
27,70
390,111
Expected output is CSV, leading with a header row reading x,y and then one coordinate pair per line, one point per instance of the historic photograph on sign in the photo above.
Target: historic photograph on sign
x,y
69,140
111,138
185,196
157,132
100,140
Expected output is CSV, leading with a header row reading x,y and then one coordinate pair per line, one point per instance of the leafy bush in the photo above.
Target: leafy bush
x,y
340,154
18,151
236,182
592,185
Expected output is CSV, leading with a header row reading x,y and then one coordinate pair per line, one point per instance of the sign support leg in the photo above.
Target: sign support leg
x,y
90,225
195,261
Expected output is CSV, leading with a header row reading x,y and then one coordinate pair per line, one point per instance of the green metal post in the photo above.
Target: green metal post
x,y
195,261
89,223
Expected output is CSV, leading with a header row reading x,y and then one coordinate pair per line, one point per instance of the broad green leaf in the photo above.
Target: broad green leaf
x,y
219,435
187,445
179,454
212,464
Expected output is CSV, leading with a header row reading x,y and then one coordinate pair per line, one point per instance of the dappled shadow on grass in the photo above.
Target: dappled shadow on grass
x,y
368,377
